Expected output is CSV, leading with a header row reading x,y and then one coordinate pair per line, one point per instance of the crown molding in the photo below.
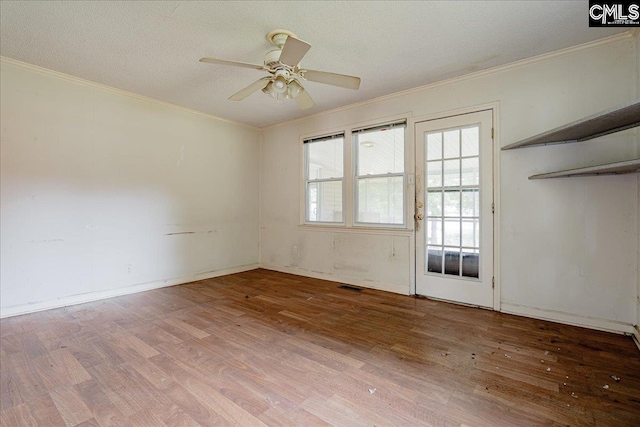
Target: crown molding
x,y
628,35
498,69
77,80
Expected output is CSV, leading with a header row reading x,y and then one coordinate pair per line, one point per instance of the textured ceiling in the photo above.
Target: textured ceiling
x,y
153,48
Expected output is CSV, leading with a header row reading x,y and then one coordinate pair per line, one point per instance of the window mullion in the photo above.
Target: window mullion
x,y
383,175
347,184
324,180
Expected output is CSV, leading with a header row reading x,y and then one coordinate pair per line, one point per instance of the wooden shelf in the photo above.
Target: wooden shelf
x,y
609,121
617,168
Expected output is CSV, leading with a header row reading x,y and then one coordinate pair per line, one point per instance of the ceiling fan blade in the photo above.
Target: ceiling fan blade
x,y
304,100
232,63
293,51
341,80
253,87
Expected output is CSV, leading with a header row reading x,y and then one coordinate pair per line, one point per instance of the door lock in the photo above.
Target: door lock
x,y
419,217
419,205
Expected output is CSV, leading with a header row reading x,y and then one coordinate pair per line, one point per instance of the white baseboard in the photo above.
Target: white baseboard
x,y
636,335
16,310
568,318
381,286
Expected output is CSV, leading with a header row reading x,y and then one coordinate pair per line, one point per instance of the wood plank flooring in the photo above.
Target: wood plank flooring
x,y
266,348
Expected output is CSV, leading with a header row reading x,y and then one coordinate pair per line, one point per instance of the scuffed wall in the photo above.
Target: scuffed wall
x,y
101,191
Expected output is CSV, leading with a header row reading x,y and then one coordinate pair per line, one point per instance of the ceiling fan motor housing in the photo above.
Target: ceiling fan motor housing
x,y
272,57
279,37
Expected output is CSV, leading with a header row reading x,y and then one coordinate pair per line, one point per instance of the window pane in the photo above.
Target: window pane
x,y
434,203
471,232
434,146
434,260
452,194
470,142
452,232
470,203
434,231
470,262
452,203
325,159
324,201
381,151
452,173
381,200
452,261
434,174
470,171
451,144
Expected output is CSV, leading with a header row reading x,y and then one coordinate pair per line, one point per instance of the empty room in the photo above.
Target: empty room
x,y
327,213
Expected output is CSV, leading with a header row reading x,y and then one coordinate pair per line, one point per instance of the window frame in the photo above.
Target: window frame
x,y
349,201
356,177
306,181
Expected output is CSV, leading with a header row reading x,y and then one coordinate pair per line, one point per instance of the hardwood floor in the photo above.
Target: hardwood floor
x,y
262,347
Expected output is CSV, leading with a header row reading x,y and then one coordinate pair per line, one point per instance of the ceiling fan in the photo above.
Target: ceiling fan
x,y
283,65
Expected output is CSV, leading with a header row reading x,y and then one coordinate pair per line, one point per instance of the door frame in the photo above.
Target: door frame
x,y
494,107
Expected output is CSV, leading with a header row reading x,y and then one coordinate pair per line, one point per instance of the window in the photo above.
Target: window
x,y
324,172
380,174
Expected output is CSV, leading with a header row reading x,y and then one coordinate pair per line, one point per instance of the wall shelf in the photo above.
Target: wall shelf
x,y
617,168
609,121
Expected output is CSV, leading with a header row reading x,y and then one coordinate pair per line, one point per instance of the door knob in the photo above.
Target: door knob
x,y
419,217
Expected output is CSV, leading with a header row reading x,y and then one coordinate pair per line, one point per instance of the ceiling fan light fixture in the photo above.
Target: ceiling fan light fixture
x,y
279,84
268,89
295,89
280,81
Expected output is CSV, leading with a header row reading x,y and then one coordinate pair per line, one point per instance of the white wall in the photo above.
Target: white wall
x,y
94,180
569,247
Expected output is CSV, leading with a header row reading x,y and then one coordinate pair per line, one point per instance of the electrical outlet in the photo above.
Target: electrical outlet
x,y
295,250
128,269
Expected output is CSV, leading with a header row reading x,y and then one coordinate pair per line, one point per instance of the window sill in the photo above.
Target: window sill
x,y
356,229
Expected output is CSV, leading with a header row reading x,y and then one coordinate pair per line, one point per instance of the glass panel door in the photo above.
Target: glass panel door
x,y
454,195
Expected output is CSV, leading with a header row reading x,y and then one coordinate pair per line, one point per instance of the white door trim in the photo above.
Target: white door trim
x,y
495,109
